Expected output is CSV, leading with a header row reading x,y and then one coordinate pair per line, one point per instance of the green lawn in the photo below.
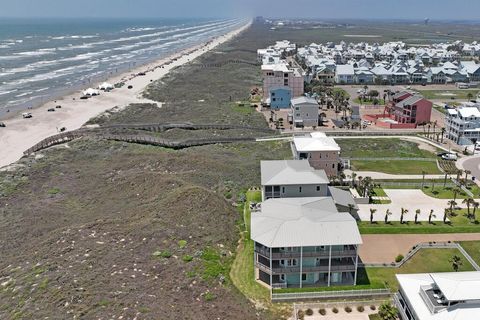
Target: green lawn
x,y
396,166
440,192
426,260
461,94
378,192
374,316
458,224
242,271
473,249
382,147
368,101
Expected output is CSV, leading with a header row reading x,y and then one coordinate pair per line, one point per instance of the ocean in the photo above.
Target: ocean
x,y
43,58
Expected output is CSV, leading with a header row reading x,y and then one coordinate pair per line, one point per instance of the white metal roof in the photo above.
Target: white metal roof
x,y
290,172
303,99
467,112
457,286
410,284
294,222
315,143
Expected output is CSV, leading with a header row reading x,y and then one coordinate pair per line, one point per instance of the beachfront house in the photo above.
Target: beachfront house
x,y
462,125
280,98
281,75
320,151
304,242
345,74
414,110
305,111
439,296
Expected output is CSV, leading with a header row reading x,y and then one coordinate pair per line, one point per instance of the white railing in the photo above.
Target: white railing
x,y
277,296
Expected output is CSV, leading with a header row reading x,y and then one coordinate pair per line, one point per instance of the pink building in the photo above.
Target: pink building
x,y
415,110
280,74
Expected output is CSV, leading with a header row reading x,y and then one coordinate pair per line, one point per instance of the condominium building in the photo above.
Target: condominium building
x,y
462,125
439,296
281,75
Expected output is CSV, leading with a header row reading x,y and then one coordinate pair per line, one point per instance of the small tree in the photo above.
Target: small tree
x,y
387,312
452,204
404,211
456,262
475,206
445,215
417,213
430,216
372,212
387,213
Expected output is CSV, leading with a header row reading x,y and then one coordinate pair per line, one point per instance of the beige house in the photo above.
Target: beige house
x,y
305,112
322,152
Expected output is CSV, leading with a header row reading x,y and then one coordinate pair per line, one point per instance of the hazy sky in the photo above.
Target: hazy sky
x,y
362,9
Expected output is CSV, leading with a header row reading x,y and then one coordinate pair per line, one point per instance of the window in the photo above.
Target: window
x,y
268,188
273,94
282,277
304,277
297,108
283,189
318,188
274,99
300,189
333,166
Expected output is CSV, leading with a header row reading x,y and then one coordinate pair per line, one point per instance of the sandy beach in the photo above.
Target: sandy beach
x,y
20,134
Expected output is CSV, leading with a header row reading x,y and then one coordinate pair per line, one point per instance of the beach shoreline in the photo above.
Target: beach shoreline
x,y
20,134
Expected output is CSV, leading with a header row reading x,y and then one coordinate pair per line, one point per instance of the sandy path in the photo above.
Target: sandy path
x,y
383,248
20,134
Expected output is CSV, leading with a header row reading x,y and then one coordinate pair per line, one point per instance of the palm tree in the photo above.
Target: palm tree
x,y
417,213
445,180
456,262
459,173
387,213
445,215
443,133
423,177
387,312
404,211
354,175
467,172
468,202
452,204
455,191
430,216
475,206
372,212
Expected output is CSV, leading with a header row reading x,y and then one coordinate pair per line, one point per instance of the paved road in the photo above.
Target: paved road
x,y
381,175
472,164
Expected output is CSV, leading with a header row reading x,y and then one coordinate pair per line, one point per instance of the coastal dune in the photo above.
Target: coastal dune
x,y
20,134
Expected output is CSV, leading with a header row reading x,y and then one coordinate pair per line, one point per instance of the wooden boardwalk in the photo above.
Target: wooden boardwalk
x,y
104,134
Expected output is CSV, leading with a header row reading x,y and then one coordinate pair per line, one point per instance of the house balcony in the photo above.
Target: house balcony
x,y
323,267
349,253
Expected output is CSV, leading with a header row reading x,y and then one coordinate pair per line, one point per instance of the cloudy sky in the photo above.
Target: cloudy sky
x,y
362,9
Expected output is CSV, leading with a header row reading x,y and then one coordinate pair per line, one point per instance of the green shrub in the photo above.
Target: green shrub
x,y
399,258
360,309
209,296
309,312
322,312
182,244
372,307
187,258
300,315
53,191
348,309
163,254
335,310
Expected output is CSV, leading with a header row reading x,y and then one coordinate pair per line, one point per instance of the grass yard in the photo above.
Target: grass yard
x,y
426,260
439,192
461,94
369,101
382,147
473,249
396,166
458,224
242,271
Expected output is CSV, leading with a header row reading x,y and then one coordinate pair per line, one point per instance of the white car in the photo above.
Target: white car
x,y
26,115
449,156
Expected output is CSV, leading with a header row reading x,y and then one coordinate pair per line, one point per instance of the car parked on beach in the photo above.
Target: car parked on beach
x,y
51,109
58,107
2,125
26,115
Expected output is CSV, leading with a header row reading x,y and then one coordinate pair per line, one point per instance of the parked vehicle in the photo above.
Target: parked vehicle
x,y
2,125
58,107
130,87
450,156
62,129
51,109
26,115
84,97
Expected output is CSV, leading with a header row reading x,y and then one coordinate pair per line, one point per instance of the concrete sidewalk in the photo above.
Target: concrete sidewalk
x,y
381,175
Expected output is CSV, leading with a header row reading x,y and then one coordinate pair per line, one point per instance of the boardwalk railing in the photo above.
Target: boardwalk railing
x,y
337,304
391,159
340,294
157,127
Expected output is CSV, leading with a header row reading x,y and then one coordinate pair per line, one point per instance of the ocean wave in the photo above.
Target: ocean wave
x,y
2,93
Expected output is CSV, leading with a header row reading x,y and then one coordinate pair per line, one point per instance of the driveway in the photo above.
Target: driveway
x,y
472,164
383,248
410,199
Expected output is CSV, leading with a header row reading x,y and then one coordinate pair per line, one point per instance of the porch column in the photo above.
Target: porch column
x,y
356,266
271,270
301,266
329,265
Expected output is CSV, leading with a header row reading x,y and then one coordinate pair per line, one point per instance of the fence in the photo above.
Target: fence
x,y
337,304
341,294
415,249
392,159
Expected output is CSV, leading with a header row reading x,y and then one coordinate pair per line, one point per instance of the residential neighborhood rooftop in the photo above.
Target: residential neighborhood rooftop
x,y
316,141
295,222
290,172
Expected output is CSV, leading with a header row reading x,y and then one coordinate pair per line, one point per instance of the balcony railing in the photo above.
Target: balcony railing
x,y
297,254
296,269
